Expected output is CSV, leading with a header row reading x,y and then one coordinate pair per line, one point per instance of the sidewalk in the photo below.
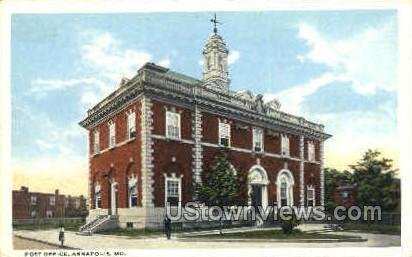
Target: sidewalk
x,y
113,242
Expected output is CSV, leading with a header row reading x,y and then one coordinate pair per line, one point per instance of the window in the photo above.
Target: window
x,y
52,200
96,143
172,125
131,125
310,196
132,191
224,134
97,196
283,193
173,191
257,140
112,134
33,200
285,145
49,214
344,195
311,151
34,214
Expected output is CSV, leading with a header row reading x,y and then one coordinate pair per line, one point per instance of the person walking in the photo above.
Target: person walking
x,y
61,236
168,227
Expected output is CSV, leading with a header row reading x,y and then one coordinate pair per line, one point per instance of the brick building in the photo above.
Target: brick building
x,y
36,205
152,138
345,194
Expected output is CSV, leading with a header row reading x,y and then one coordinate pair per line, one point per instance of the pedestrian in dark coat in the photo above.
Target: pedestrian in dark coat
x,y
167,227
61,236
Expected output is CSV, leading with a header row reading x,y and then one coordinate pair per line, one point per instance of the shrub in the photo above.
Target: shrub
x,y
289,225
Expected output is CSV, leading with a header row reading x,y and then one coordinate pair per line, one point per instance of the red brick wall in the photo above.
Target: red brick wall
x,y
272,143
22,207
159,119
312,177
241,137
244,161
163,152
119,157
210,128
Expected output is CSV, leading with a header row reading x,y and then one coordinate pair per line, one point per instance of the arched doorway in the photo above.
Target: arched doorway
x,y
257,187
284,185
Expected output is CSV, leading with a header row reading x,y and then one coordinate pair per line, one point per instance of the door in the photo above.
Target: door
x,y
256,195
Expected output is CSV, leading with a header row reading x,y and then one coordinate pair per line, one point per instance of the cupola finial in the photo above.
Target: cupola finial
x,y
215,22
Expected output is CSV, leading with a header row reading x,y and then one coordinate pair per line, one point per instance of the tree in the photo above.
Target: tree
x,y
374,177
332,177
219,187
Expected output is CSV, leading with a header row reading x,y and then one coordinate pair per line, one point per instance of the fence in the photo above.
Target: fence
x,y
48,221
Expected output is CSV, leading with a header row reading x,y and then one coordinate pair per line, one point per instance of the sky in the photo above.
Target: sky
x,y
338,68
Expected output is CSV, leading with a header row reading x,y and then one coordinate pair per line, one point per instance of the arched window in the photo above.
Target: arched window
x,y
132,191
97,196
284,185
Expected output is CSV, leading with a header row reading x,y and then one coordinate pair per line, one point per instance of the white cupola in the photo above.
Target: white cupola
x,y
215,66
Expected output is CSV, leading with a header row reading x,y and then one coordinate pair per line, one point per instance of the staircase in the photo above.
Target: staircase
x,y
101,222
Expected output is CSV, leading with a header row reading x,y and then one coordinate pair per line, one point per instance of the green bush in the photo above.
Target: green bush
x,y
289,225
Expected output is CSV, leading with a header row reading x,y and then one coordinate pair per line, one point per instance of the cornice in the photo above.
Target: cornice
x,y
161,86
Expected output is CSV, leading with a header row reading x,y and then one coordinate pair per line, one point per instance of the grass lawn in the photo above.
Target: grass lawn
x,y
68,227
132,232
373,228
272,234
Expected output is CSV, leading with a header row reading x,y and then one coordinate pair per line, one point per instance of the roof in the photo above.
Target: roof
x,y
182,77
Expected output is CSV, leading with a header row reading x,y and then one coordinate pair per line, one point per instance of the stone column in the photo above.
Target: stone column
x,y
146,152
322,175
302,170
197,147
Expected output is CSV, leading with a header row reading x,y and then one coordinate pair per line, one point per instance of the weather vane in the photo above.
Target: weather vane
x,y
215,22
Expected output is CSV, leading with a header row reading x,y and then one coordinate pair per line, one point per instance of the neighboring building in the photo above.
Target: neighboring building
x,y
152,138
36,205
345,194
76,206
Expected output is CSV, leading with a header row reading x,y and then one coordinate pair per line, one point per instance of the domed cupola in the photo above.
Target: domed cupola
x,y
215,66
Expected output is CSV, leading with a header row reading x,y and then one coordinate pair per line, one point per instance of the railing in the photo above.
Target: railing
x,y
197,90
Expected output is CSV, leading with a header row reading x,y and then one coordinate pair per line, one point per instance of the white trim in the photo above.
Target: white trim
x,y
258,137
264,183
176,179
313,198
237,149
96,141
311,151
97,191
228,128
322,175
113,198
131,123
112,134
167,125
302,170
285,145
290,183
129,195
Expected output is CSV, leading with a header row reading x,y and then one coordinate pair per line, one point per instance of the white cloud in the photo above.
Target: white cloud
x,y
368,58
233,57
365,61
164,62
105,54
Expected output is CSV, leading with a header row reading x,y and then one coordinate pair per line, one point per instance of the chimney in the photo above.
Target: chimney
x,y
24,189
56,192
